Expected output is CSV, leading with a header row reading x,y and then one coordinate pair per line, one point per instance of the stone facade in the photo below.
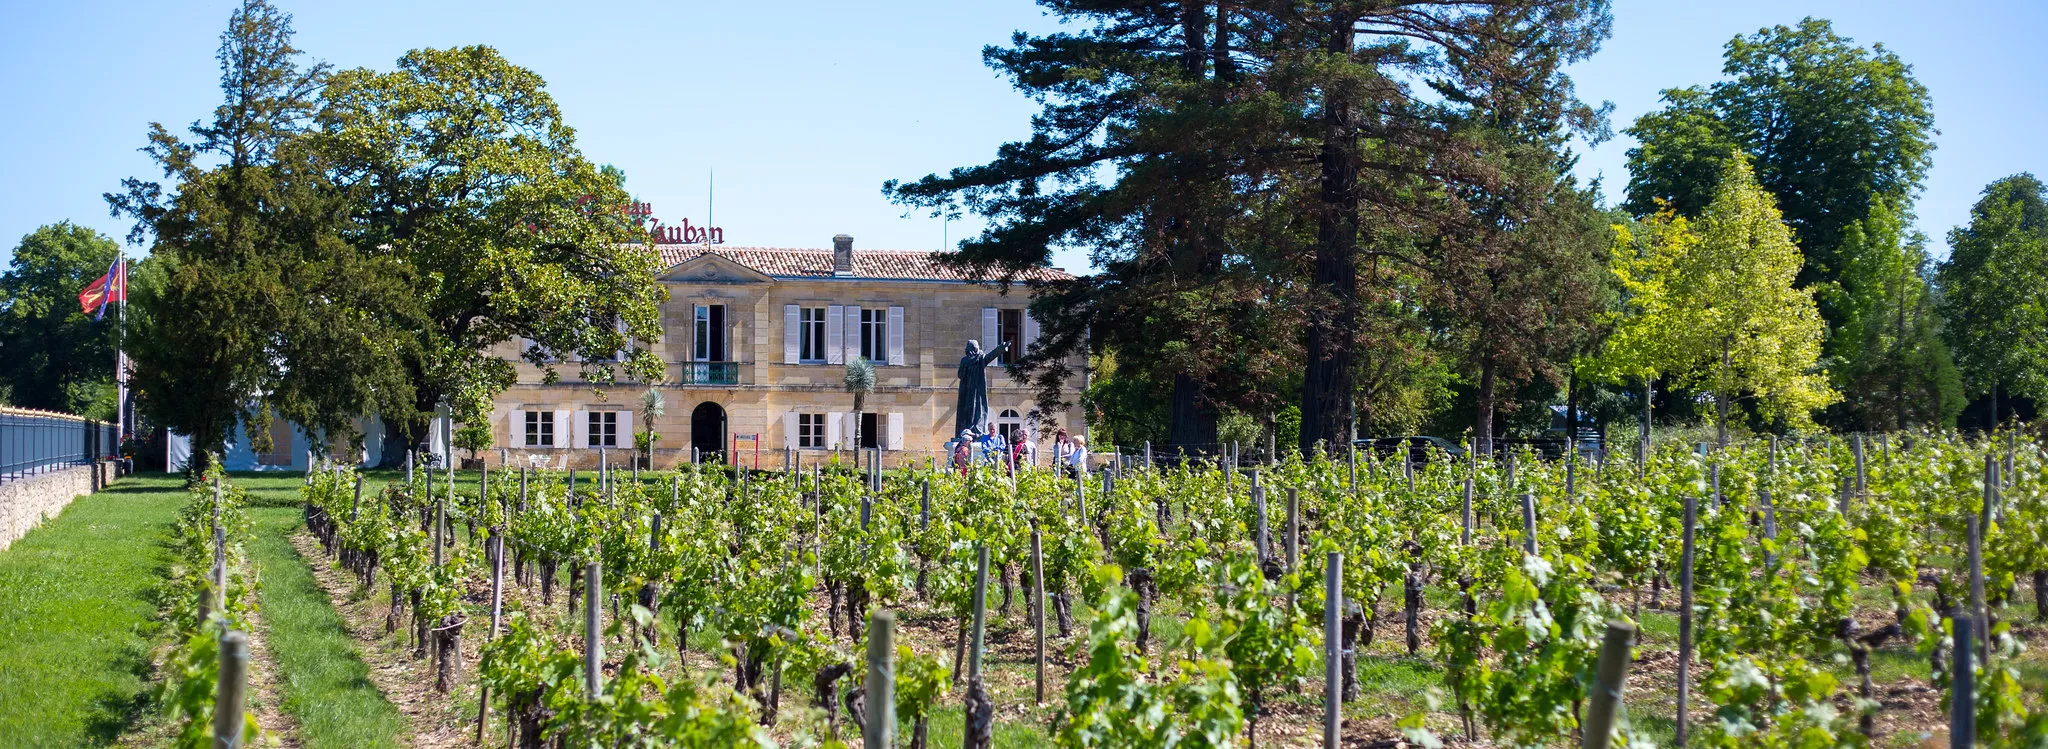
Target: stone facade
x,y
28,501
756,342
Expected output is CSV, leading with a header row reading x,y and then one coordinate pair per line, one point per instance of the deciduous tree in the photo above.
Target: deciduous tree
x,y
1832,129
467,175
1889,361
263,310
1712,304
58,358
1994,316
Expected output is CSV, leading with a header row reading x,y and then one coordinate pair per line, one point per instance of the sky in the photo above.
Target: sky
x,y
779,122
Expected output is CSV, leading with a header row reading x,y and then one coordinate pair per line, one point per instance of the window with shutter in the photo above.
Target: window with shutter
x,y
1010,329
809,430
989,333
874,334
835,334
854,331
896,336
791,339
812,333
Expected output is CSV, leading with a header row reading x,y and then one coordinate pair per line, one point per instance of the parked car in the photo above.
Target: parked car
x,y
1421,449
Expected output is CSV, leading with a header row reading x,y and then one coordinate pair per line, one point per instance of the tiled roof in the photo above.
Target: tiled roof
x,y
893,265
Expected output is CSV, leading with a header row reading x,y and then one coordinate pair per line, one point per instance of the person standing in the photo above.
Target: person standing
x,y
1077,457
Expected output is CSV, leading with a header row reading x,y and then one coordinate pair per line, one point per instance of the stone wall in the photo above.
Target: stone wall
x,y
26,502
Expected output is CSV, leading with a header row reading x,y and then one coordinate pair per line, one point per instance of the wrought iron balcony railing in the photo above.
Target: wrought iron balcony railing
x,y
711,373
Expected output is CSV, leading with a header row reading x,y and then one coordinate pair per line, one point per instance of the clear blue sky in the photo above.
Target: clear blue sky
x,y
804,108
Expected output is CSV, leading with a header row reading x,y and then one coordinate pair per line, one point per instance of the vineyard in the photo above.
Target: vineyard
x,y
1813,586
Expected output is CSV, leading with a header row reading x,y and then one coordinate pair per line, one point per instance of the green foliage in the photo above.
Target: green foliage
x,y
1991,317
261,295
522,237
1834,130
1888,359
187,692
1712,304
1115,698
1545,630
58,359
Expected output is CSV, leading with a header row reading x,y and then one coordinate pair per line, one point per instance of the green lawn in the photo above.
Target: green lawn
x,y
77,612
75,616
326,686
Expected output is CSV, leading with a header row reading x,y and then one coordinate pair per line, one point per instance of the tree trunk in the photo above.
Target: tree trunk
x,y
447,652
1327,380
2041,595
1721,398
1488,382
1649,395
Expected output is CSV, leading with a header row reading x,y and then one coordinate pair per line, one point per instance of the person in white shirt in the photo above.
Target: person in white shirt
x,y
1077,458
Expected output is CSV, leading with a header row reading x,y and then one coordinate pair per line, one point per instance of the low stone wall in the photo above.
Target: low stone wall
x,y
26,502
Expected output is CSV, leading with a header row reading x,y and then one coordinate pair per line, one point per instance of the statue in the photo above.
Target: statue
x,y
972,408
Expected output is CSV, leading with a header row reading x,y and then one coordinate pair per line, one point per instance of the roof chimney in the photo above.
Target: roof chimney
x,y
842,255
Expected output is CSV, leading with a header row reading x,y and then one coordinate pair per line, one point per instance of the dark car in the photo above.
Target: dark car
x,y
1420,449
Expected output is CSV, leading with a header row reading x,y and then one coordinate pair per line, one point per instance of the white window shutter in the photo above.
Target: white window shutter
x,y
790,336
832,430
515,436
580,426
854,332
894,433
789,430
565,427
896,336
1030,333
835,334
988,329
626,429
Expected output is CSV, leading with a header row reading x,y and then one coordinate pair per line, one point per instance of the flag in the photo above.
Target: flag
x,y
112,287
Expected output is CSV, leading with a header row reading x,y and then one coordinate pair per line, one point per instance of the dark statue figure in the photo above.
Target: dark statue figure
x,y
972,410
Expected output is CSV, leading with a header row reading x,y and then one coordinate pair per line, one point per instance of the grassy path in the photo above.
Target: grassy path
x,y
325,683
75,612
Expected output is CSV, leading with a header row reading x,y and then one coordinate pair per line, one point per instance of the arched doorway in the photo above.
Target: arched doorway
x,y
707,431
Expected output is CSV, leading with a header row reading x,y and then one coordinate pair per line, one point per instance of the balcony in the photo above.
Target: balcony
x,y
711,373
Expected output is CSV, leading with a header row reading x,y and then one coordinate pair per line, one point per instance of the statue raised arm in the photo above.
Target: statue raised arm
x,y
971,410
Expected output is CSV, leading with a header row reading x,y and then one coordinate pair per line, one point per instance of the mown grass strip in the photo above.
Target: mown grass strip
x,y
75,613
325,684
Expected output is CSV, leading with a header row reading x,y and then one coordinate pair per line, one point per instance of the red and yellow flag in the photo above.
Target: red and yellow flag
x,y
112,287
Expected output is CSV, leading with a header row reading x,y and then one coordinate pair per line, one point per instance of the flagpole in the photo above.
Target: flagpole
x,y
121,350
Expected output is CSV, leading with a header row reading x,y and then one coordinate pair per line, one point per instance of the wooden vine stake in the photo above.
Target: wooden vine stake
x,y
220,554
1038,608
1962,706
1685,616
1978,616
1529,524
483,700
878,731
593,638
230,692
978,714
1261,535
1333,633
1609,678
1293,539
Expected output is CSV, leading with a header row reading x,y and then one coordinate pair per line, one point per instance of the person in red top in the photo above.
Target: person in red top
x,y
961,454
